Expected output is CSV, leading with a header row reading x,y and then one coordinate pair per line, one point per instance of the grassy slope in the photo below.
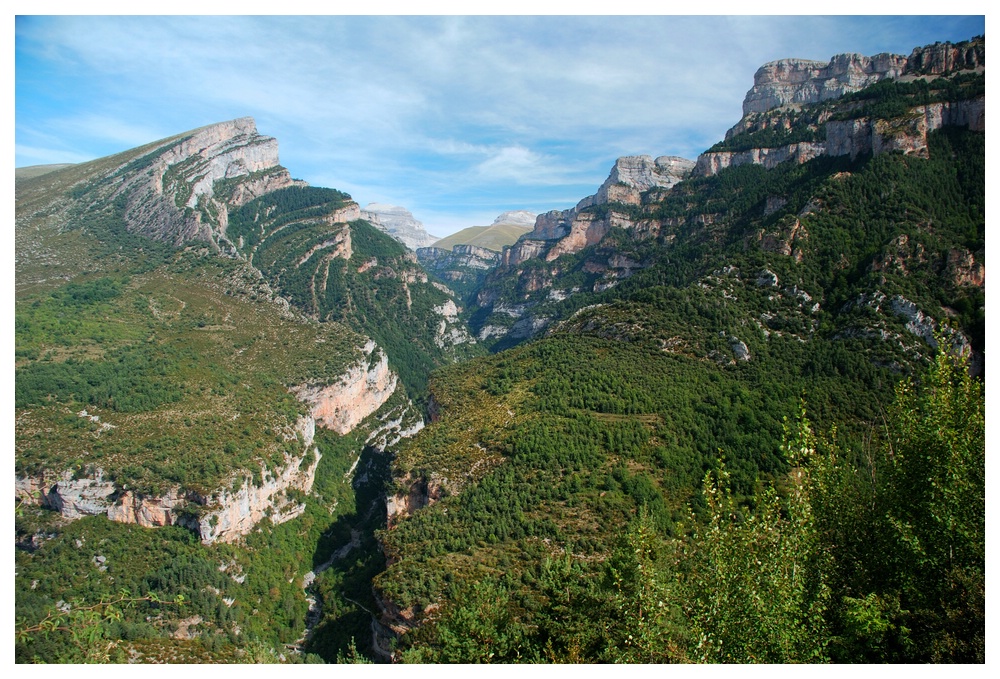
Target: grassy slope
x,y
492,237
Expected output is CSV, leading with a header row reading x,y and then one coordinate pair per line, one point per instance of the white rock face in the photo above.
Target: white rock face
x,y
228,514
631,175
516,217
802,81
174,199
399,223
358,393
450,331
711,163
860,136
857,137
236,513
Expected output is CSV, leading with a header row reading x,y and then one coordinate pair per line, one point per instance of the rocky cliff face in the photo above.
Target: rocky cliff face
x,y
181,191
711,163
561,232
802,81
799,81
908,135
858,136
631,175
224,515
461,256
247,497
358,393
399,223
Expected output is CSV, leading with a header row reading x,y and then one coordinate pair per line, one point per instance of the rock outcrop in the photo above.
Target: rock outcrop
x,y
788,84
560,232
460,256
247,496
631,175
709,164
800,81
224,515
182,189
803,81
858,136
355,395
399,223
908,135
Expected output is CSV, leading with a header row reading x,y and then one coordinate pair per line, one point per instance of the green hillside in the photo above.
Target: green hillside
x,y
745,424
679,403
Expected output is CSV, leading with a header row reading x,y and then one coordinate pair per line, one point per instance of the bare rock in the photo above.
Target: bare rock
x,y
399,223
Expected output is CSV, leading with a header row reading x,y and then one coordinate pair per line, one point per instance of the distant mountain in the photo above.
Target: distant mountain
x,y
463,259
399,223
504,230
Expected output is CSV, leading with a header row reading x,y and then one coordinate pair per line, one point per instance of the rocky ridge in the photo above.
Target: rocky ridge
x,y
181,191
782,88
787,82
561,232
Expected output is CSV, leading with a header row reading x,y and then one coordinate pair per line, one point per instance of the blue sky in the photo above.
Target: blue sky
x,y
455,118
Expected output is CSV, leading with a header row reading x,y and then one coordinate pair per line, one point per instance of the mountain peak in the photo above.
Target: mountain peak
x,y
518,217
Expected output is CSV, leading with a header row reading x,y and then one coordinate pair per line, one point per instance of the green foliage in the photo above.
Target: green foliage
x,y
888,99
757,591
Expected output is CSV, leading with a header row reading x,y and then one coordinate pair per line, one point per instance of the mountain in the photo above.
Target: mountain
x,y
214,350
699,360
463,259
503,231
731,408
399,223
892,115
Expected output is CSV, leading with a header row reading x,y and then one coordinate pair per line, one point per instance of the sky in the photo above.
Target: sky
x,y
456,118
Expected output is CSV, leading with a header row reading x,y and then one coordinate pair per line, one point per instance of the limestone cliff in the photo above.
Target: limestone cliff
x,y
907,135
631,175
355,395
247,496
181,190
709,164
399,223
560,232
800,81
224,515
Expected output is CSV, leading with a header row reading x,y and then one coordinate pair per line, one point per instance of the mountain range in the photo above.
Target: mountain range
x,y
255,421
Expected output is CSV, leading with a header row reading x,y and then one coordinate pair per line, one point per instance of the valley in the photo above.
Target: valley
x,y
725,409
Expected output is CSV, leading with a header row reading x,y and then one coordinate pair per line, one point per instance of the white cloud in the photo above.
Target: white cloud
x,y
414,106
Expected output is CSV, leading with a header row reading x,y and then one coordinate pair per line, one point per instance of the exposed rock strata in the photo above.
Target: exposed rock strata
x,y
183,192
909,135
709,164
572,230
359,392
460,256
246,498
858,136
224,515
800,81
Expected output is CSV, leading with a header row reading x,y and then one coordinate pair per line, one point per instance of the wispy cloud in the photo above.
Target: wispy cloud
x,y
423,111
